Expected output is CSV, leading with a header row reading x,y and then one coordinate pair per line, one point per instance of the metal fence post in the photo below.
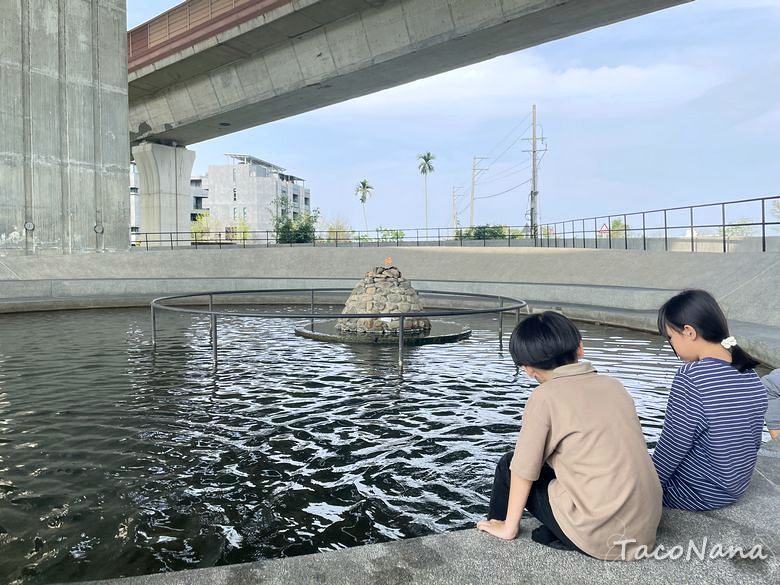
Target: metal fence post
x,y
595,233
609,230
625,231
214,338
763,225
500,324
723,224
312,310
692,244
170,234
154,328
211,310
644,233
401,344
666,234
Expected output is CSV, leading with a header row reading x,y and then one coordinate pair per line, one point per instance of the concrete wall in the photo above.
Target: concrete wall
x,y
63,121
621,287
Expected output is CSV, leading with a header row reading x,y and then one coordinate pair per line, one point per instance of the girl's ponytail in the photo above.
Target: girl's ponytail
x,y
700,310
742,360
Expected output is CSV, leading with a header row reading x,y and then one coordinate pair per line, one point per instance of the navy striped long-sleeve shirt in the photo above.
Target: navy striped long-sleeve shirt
x,y
711,435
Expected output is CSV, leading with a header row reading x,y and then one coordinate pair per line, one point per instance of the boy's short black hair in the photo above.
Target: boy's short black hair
x,y
546,341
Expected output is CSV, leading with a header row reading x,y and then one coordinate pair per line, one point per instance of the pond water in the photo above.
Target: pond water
x,y
118,460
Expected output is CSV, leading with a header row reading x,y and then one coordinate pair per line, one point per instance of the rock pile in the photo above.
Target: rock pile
x,y
383,290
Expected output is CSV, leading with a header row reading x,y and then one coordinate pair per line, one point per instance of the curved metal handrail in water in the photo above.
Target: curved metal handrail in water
x,y
514,305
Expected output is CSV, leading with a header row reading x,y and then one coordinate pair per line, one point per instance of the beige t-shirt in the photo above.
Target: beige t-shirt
x,y
584,425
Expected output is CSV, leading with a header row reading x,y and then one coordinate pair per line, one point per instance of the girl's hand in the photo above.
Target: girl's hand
x,y
498,528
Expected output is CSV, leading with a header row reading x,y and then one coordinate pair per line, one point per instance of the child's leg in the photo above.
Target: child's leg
x,y
499,496
538,505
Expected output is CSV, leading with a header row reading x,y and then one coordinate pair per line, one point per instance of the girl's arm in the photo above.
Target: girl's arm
x,y
682,425
519,488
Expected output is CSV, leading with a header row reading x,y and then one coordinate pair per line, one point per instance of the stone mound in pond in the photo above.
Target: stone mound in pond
x,y
383,290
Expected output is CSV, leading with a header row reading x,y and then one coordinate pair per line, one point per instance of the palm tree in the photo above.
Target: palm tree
x,y
425,167
363,191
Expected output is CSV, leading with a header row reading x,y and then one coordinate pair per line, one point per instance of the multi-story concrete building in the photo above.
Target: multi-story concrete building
x,y
135,204
199,187
250,189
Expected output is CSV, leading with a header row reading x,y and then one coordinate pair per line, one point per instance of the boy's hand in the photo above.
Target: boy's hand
x,y
498,528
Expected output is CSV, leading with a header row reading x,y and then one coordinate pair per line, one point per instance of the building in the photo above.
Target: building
x,y
135,204
199,187
250,190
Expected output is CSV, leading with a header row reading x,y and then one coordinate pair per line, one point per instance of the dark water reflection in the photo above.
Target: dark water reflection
x,y
116,460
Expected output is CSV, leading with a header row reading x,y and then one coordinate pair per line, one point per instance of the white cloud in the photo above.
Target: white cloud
x,y
522,78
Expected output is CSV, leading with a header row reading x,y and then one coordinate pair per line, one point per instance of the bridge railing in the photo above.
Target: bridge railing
x,y
733,226
189,23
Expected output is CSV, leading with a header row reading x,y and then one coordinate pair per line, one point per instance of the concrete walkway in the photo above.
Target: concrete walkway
x,y
470,557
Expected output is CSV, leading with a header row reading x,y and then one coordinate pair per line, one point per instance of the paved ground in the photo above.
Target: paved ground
x,y
466,557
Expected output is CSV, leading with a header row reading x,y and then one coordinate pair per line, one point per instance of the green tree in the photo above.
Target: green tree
x,y
619,228
204,228
240,231
425,167
390,235
289,228
363,191
738,229
485,232
338,229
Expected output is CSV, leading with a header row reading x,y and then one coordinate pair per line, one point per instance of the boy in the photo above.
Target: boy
x,y
580,465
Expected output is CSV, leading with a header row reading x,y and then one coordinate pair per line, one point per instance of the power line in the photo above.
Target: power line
x,y
506,191
503,152
512,131
526,166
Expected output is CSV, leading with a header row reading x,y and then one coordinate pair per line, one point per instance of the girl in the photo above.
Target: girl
x,y
715,413
580,465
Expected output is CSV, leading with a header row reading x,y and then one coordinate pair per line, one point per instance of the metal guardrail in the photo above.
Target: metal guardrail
x,y
616,231
158,304
661,229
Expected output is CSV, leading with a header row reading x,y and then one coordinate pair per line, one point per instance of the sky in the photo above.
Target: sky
x,y
674,108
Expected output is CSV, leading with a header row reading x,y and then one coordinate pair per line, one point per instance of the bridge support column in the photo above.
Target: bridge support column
x,y
166,201
63,127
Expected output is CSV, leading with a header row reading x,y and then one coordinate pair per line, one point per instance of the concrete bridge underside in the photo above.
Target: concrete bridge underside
x,y
308,54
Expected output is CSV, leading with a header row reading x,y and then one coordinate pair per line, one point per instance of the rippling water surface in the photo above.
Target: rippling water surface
x,y
118,460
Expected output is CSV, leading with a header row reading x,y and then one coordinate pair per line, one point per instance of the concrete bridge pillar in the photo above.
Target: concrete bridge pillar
x,y
64,153
166,201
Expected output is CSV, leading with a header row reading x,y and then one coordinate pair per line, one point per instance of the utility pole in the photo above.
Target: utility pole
x,y
534,190
455,195
534,197
454,211
474,170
